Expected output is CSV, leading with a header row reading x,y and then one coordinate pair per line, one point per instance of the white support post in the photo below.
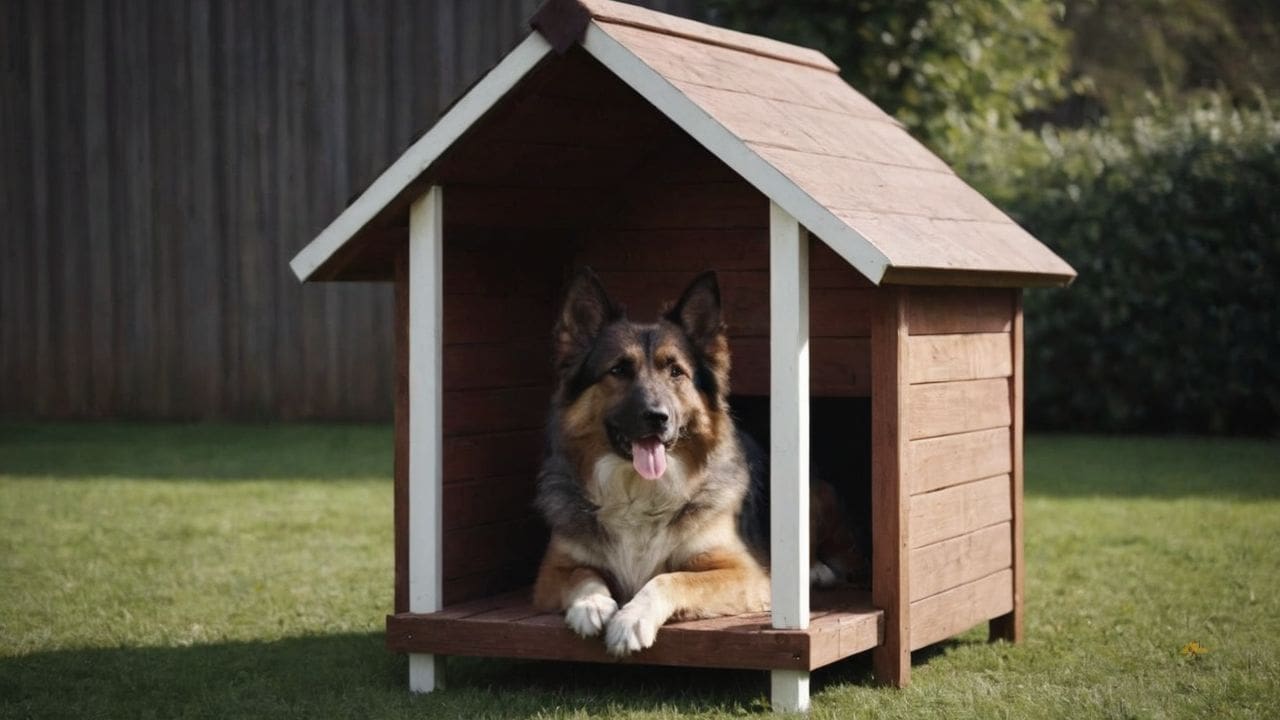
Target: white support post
x,y
426,467
789,442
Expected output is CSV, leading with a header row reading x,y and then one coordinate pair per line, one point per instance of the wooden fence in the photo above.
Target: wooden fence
x,y
160,163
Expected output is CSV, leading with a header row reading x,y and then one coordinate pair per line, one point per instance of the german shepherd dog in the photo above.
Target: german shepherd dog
x,y
648,486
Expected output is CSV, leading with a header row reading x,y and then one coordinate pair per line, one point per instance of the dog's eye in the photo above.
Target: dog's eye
x,y
619,369
676,371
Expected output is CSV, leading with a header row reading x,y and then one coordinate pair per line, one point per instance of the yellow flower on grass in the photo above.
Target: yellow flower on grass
x,y
1193,649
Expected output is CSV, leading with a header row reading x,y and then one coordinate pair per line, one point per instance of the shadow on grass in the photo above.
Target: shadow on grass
x,y
353,675
1164,467
196,451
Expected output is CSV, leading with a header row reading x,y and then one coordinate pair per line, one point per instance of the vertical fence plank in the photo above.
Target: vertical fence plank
x,y
17,298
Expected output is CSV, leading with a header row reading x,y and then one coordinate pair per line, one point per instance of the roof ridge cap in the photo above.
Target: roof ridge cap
x,y
564,22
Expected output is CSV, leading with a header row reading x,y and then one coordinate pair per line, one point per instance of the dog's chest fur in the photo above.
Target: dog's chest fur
x,y
637,516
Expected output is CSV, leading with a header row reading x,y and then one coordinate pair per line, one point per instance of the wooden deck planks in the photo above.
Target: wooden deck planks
x,y
508,626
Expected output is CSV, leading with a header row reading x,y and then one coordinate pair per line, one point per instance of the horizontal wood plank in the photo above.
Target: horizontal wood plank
x,y
481,585
491,410
948,408
490,500
971,356
950,613
679,250
838,367
939,462
468,608
472,550
731,204
946,310
475,457
958,510
492,319
498,365
836,636
951,563
510,627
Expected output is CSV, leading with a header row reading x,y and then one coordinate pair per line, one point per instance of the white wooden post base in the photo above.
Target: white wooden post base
x,y
426,672
789,691
789,442
426,466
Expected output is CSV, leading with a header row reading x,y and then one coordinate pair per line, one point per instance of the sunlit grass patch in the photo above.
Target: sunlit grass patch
x,y
224,571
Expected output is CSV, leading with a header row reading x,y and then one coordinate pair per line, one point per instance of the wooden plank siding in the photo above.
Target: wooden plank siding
x,y
950,613
965,514
501,290
160,162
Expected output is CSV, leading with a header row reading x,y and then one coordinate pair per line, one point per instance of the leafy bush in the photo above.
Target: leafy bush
x,y
1173,222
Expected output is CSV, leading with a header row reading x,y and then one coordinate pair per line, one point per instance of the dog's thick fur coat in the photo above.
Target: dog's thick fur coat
x,y
645,476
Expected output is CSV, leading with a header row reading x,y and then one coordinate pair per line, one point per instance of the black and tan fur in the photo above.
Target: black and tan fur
x,y
626,553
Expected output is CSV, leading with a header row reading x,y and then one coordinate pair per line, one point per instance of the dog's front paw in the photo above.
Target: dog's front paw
x,y
635,626
588,616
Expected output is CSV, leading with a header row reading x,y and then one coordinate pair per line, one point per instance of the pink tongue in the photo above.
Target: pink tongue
x,y
649,457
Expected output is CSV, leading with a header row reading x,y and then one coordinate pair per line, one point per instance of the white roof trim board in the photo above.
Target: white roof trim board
x,y
414,162
843,168
730,149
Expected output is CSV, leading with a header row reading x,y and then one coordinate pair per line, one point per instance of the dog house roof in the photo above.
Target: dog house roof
x,y
778,115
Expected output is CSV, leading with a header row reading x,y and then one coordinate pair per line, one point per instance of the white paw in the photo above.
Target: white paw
x,y
634,627
822,576
587,616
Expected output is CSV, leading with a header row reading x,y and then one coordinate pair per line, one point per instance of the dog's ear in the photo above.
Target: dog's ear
x,y
586,310
698,310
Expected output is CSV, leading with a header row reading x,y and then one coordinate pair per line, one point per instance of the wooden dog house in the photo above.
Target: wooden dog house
x,y
853,262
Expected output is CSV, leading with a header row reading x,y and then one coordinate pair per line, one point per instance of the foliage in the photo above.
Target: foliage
x,y
943,67
1173,222
222,594
1128,49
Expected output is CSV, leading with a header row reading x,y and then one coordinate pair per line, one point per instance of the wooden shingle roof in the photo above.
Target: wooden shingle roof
x,y
782,118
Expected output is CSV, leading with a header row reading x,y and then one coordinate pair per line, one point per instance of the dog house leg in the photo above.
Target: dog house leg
x,y
789,442
890,501
426,468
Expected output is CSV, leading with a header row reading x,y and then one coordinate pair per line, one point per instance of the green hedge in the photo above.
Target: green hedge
x,y
1173,223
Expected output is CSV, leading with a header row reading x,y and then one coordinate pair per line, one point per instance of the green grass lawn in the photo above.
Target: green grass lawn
x,y
215,571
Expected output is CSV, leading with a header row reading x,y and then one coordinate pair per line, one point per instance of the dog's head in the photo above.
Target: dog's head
x,y
642,391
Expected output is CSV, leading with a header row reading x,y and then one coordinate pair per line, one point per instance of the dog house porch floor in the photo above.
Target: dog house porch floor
x,y
841,623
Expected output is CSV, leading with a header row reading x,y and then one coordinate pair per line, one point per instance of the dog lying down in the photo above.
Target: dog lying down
x,y
654,497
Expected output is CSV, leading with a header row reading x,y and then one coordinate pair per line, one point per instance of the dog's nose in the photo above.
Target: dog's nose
x,y
656,418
